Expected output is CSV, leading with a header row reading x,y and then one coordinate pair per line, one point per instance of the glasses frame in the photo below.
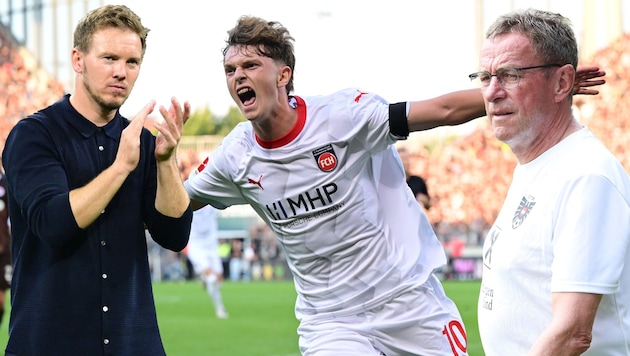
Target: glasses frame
x,y
477,75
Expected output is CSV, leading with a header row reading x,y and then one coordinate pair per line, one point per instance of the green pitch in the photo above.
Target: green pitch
x,y
261,319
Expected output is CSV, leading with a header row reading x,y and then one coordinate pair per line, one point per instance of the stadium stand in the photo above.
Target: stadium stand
x,y
24,86
607,115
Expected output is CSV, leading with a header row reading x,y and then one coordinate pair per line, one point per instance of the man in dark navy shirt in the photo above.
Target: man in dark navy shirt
x,y
83,185
5,244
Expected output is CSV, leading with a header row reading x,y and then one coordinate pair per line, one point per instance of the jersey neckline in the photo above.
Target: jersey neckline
x,y
294,132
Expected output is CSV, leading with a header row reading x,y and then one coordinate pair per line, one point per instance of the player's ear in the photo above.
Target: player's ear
x,y
284,76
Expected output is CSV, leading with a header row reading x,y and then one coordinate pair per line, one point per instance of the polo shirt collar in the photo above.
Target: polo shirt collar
x,y
86,128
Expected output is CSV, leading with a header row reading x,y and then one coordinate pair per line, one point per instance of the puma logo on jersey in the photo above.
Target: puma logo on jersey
x,y
257,182
203,164
356,100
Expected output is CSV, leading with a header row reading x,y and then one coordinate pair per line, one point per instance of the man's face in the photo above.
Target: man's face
x,y
109,70
254,81
518,115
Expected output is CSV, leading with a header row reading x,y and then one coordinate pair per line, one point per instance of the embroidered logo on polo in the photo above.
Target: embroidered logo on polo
x,y
326,158
524,208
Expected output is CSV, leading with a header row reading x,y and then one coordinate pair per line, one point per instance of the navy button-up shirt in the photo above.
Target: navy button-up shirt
x,y
75,291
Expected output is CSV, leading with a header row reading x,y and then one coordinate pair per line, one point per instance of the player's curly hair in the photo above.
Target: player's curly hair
x,y
117,16
270,38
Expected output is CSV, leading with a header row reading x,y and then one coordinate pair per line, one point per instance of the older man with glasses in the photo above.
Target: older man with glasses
x,y
556,277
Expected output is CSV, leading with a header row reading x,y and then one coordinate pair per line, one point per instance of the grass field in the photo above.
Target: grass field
x,y
261,321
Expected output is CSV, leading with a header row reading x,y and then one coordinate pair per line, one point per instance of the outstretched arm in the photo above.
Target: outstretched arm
x,y
449,109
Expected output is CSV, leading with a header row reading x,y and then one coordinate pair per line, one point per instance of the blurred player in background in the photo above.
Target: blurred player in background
x,y
556,275
203,253
84,182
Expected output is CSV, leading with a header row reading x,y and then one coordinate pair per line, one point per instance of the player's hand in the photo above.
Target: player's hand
x,y
586,77
170,129
129,147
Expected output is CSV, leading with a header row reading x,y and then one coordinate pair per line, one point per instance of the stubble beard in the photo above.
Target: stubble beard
x,y
99,100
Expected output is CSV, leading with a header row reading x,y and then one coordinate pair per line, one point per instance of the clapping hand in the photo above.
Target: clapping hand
x,y
170,129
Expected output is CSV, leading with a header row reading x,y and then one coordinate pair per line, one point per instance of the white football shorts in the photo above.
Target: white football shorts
x,y
422,321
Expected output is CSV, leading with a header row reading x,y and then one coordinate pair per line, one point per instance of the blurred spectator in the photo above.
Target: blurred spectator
x,y
249,257
420,191
236,260
225,251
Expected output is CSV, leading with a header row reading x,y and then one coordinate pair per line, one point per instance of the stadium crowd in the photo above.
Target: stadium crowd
x,y
24,87
468,176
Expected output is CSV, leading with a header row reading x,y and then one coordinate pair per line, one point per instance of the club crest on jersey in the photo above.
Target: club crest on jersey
x,y
524,208
326,158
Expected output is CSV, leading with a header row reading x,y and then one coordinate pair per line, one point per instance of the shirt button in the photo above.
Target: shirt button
x,y
100,148
103,211
106,341
103,243
105,309
104,276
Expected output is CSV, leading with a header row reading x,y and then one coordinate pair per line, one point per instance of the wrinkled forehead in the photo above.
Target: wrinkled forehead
x,y
506,50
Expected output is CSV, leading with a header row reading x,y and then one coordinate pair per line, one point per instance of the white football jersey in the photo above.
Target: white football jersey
x,y
334,192
204,230
203,244
564,227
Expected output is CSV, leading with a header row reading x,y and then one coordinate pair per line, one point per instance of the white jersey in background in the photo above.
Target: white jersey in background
x,y
203,254
564,227
203,245
334,202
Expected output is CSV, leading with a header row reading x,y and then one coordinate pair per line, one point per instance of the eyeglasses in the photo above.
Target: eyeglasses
x,y
508,77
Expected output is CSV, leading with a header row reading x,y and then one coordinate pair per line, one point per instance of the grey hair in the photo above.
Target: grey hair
x,y
550,34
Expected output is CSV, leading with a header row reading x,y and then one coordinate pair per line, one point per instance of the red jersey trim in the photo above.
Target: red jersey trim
x,y
295,131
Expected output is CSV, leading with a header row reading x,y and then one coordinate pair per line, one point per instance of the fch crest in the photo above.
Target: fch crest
x,y
524,208
325,158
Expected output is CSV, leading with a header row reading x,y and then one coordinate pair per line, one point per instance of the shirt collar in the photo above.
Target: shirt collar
x,y
85,127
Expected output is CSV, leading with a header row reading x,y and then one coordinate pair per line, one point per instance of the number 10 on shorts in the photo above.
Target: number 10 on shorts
x,y
456,336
